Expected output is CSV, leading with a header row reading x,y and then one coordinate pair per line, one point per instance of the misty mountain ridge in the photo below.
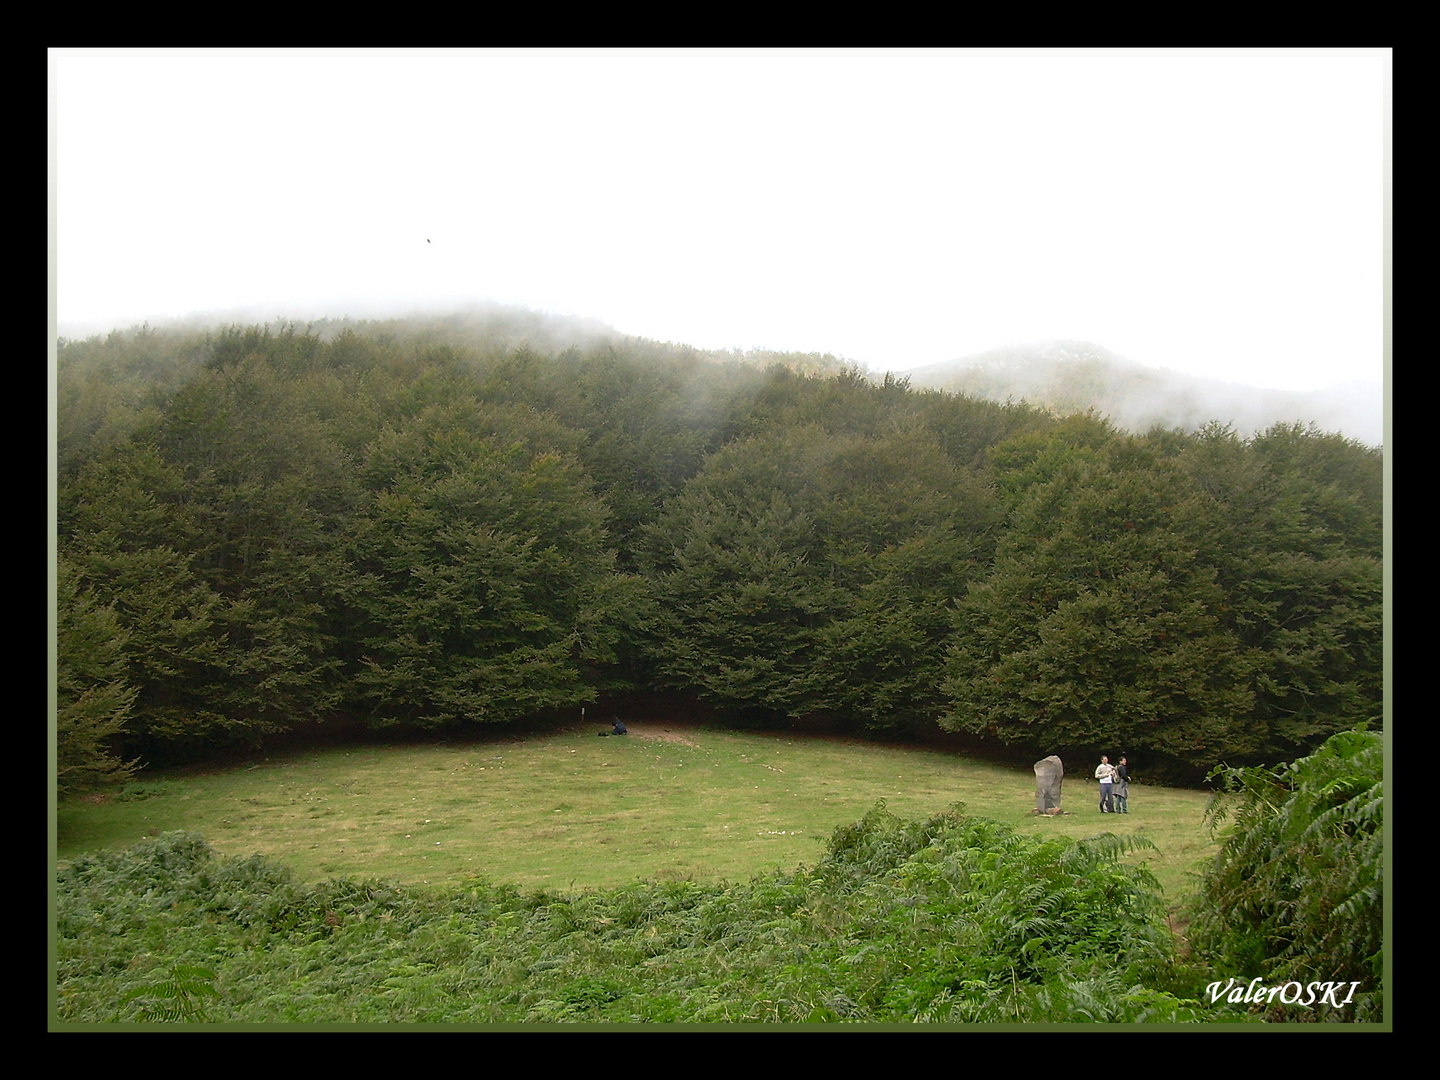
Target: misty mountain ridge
x,y
1073,376
1061,376
483,324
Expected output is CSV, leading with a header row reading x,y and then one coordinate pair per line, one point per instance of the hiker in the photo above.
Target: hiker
x,y
1105,773
1122,786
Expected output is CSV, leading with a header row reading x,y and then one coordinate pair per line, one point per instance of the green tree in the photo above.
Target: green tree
x,y
1291,523
805,570
485,583
93,698
885,646
265,442
738,602
118,518
215,531
1099,624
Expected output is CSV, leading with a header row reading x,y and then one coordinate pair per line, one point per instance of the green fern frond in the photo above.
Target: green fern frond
x,y
1296,890
181,991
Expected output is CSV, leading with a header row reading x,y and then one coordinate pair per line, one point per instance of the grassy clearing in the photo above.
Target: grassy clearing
x,y
568,811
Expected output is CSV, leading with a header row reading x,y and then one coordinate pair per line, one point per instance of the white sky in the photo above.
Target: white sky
x,y
1213,211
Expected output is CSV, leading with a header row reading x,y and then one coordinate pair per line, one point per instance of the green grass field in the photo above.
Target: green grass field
x,y
569,811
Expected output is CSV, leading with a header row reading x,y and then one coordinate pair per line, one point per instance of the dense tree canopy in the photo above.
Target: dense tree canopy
x,y
481,574
1291,525
93,699
806,570
486,518
1099,624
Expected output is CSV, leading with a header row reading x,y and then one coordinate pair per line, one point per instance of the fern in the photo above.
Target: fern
x,y
178,998
1297,890
950,919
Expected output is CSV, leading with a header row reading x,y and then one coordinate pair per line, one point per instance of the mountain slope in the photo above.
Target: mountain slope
x,y
1072,376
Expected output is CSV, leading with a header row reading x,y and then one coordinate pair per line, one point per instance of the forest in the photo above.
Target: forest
x,y
428,524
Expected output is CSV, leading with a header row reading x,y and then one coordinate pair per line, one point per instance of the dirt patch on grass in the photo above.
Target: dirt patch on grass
x,y
660,734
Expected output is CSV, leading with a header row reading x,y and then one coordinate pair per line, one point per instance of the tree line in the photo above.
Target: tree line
x,y
432,524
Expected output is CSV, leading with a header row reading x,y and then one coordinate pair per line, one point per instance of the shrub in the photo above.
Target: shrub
x,y
1297,890
951,918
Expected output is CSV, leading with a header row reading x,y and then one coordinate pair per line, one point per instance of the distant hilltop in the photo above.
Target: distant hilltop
x,y
1073,376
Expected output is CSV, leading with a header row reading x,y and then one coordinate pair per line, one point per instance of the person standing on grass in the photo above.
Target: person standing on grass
x,y
1105,773
1122,786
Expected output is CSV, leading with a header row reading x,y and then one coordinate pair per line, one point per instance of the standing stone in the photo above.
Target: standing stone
x,y
1048,774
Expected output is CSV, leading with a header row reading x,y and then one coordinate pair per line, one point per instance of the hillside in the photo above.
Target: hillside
x,y
473,520
1073,376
